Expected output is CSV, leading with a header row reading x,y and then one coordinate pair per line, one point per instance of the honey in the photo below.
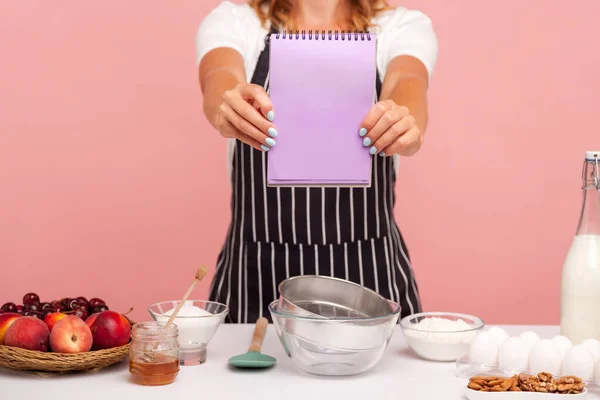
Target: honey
x,y
153,354
161,371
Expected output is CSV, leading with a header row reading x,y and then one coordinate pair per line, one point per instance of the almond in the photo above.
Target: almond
x,y
507,384
495,382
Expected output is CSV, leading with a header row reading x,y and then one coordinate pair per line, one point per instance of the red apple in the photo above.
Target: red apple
x,y
6,320
110,329
71,335
52,318
28,333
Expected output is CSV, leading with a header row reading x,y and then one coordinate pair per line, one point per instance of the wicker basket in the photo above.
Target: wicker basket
x,y
28,360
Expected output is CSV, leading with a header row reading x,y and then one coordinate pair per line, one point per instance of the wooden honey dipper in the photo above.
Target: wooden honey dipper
x,y
200,273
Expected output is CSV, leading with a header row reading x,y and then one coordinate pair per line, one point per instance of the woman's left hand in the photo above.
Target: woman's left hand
x,y
390,129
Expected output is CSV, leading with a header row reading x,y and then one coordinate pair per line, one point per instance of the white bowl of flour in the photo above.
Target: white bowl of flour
x,y
440,336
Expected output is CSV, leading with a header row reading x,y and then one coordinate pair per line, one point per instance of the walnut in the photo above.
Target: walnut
x,y
545,377
566,387
552,387
570,379
527,387
524,377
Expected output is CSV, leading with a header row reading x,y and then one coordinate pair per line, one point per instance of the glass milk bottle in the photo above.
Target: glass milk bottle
x,y
580,284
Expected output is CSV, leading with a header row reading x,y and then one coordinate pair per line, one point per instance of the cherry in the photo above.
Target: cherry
x,y
30,313
99,309
83,302
65,301
31,298
81,313
32,307
95,302
9,307
46,306
74,304
59,308
20,309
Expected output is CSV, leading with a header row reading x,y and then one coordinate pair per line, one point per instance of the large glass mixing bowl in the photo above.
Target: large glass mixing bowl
x,y
334,346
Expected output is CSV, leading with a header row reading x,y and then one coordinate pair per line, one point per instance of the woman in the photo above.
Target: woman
x,y
280,232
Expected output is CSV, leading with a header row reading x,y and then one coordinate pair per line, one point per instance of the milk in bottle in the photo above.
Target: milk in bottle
x,y
580,283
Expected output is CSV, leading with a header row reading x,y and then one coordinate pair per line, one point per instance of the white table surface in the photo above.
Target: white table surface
x,y
400,375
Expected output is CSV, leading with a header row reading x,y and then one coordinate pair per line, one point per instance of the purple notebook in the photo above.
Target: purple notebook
x,y
322,86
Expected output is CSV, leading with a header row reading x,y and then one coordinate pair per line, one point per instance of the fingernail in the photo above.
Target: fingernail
x,y
382,154
273,132
367,141
270,142
265,148
372,150
362,132
271,116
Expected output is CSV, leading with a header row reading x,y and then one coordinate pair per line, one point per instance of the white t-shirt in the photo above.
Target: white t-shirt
x,y
399,32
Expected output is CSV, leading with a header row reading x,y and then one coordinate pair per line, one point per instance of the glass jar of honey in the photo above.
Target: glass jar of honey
x,y
153,354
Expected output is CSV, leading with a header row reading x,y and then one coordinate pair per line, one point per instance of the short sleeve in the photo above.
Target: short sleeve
x,y
406,32
227,25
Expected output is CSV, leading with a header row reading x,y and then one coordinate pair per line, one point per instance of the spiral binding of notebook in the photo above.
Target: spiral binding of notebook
x,y
321,88
324,35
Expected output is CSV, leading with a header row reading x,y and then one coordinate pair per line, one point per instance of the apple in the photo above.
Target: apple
x,y
52,318
6,320
28,333
110,329
71,335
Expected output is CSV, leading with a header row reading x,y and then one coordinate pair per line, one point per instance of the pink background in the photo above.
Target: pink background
x,y
114,185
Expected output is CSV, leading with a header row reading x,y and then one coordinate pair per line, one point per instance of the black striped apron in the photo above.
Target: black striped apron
x,y
276,233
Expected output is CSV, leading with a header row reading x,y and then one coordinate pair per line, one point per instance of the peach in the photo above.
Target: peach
x,y
71,335
28,333
90,320
52,318
6,320
110,329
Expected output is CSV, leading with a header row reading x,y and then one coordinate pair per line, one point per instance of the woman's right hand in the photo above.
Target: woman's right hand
x,y
246,113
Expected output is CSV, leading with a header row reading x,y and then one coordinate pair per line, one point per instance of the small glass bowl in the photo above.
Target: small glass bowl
x,y
195,331
440,345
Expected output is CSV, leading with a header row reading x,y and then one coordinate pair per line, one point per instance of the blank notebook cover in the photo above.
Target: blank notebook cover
x,y
322,86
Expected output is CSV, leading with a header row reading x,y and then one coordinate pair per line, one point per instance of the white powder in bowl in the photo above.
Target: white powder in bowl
x,y
193,332
188,310
441,330
440,339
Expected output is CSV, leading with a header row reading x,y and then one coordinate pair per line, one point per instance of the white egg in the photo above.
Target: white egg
x,y
597,373
512,356
563,344
593,346
529,339
579,361
544,357
483,350
498,334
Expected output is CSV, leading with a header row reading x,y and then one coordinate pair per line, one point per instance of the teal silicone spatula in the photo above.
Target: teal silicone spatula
x,y
254,358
